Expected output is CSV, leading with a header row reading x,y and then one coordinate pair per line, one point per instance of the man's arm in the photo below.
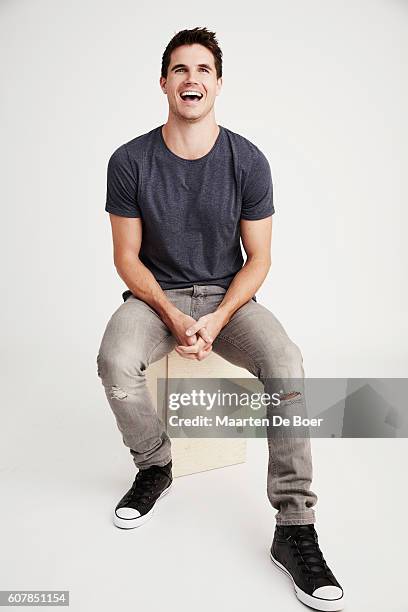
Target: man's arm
x,y
127,239
256,234
256,239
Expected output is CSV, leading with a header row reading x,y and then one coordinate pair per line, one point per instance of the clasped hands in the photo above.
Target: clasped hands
x,y
196,337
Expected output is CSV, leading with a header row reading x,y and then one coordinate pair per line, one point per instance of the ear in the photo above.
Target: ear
x,y
219,86
163,82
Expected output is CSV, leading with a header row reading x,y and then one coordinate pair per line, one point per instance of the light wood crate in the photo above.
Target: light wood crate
x,y
191,455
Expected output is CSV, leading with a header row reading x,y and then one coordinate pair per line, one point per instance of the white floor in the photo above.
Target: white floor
x,y
207,545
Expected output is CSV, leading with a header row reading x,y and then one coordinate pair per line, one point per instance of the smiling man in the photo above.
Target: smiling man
x,y
181,198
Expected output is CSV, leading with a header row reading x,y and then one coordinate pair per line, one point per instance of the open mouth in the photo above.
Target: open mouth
x,y
192,96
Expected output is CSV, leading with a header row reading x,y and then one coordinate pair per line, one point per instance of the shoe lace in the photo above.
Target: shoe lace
x,y
143,485
308,554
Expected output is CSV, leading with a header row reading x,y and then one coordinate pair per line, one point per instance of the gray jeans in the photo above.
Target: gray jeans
x,y
254,339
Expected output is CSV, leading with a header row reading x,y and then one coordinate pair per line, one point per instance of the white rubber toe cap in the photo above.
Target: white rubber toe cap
x,y
328,592
129,513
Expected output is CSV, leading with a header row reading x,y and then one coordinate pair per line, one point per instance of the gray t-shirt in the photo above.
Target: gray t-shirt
x,y
190,208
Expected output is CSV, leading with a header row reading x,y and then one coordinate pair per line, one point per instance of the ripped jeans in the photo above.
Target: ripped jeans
x,y
254,339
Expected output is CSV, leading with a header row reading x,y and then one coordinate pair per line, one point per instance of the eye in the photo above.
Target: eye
x,y
204,69
178,69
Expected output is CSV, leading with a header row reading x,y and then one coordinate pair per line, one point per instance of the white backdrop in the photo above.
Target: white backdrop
x,y
318,86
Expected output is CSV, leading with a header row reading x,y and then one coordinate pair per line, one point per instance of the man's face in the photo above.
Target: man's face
x,y
191,69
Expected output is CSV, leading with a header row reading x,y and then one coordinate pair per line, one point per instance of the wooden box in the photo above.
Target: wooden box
x,y
191,455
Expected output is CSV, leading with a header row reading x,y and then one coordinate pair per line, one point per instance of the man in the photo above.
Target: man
x,y
180,198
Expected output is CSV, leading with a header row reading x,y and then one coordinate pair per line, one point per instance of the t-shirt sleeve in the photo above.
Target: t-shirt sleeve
x,y
257,192
121,190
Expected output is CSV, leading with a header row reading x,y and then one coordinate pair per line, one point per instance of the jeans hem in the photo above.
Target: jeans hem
x,y
301,519
150,464
298,522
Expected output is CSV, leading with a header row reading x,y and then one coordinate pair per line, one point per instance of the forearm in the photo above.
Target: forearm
x,y
243,286
144,286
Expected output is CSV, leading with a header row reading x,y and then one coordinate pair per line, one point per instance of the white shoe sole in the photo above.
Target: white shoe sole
x,y
327,605
131,523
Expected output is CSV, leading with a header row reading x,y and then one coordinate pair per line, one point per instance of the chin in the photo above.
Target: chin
x,y
192,116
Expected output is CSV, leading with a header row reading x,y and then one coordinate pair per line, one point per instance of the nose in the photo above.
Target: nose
x,y
190,78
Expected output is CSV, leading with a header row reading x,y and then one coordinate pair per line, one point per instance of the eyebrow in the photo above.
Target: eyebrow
x,y
184,66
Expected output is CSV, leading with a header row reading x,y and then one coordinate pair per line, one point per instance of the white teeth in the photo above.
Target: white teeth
x,y
191,93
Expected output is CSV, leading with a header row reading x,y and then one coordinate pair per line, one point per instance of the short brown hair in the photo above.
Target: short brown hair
x,y
199,36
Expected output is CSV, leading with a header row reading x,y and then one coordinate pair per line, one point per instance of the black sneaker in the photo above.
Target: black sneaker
x,y
295,550
137,505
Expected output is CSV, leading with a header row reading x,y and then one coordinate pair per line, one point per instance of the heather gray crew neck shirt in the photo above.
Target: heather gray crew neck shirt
x,y
190,208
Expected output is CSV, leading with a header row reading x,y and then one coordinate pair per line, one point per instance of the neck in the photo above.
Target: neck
x,y
190,140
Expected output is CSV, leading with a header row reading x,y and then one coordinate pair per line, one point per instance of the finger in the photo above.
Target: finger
x,y
203,354
189,341
188,355
194,348
183,348
196,326
204,333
